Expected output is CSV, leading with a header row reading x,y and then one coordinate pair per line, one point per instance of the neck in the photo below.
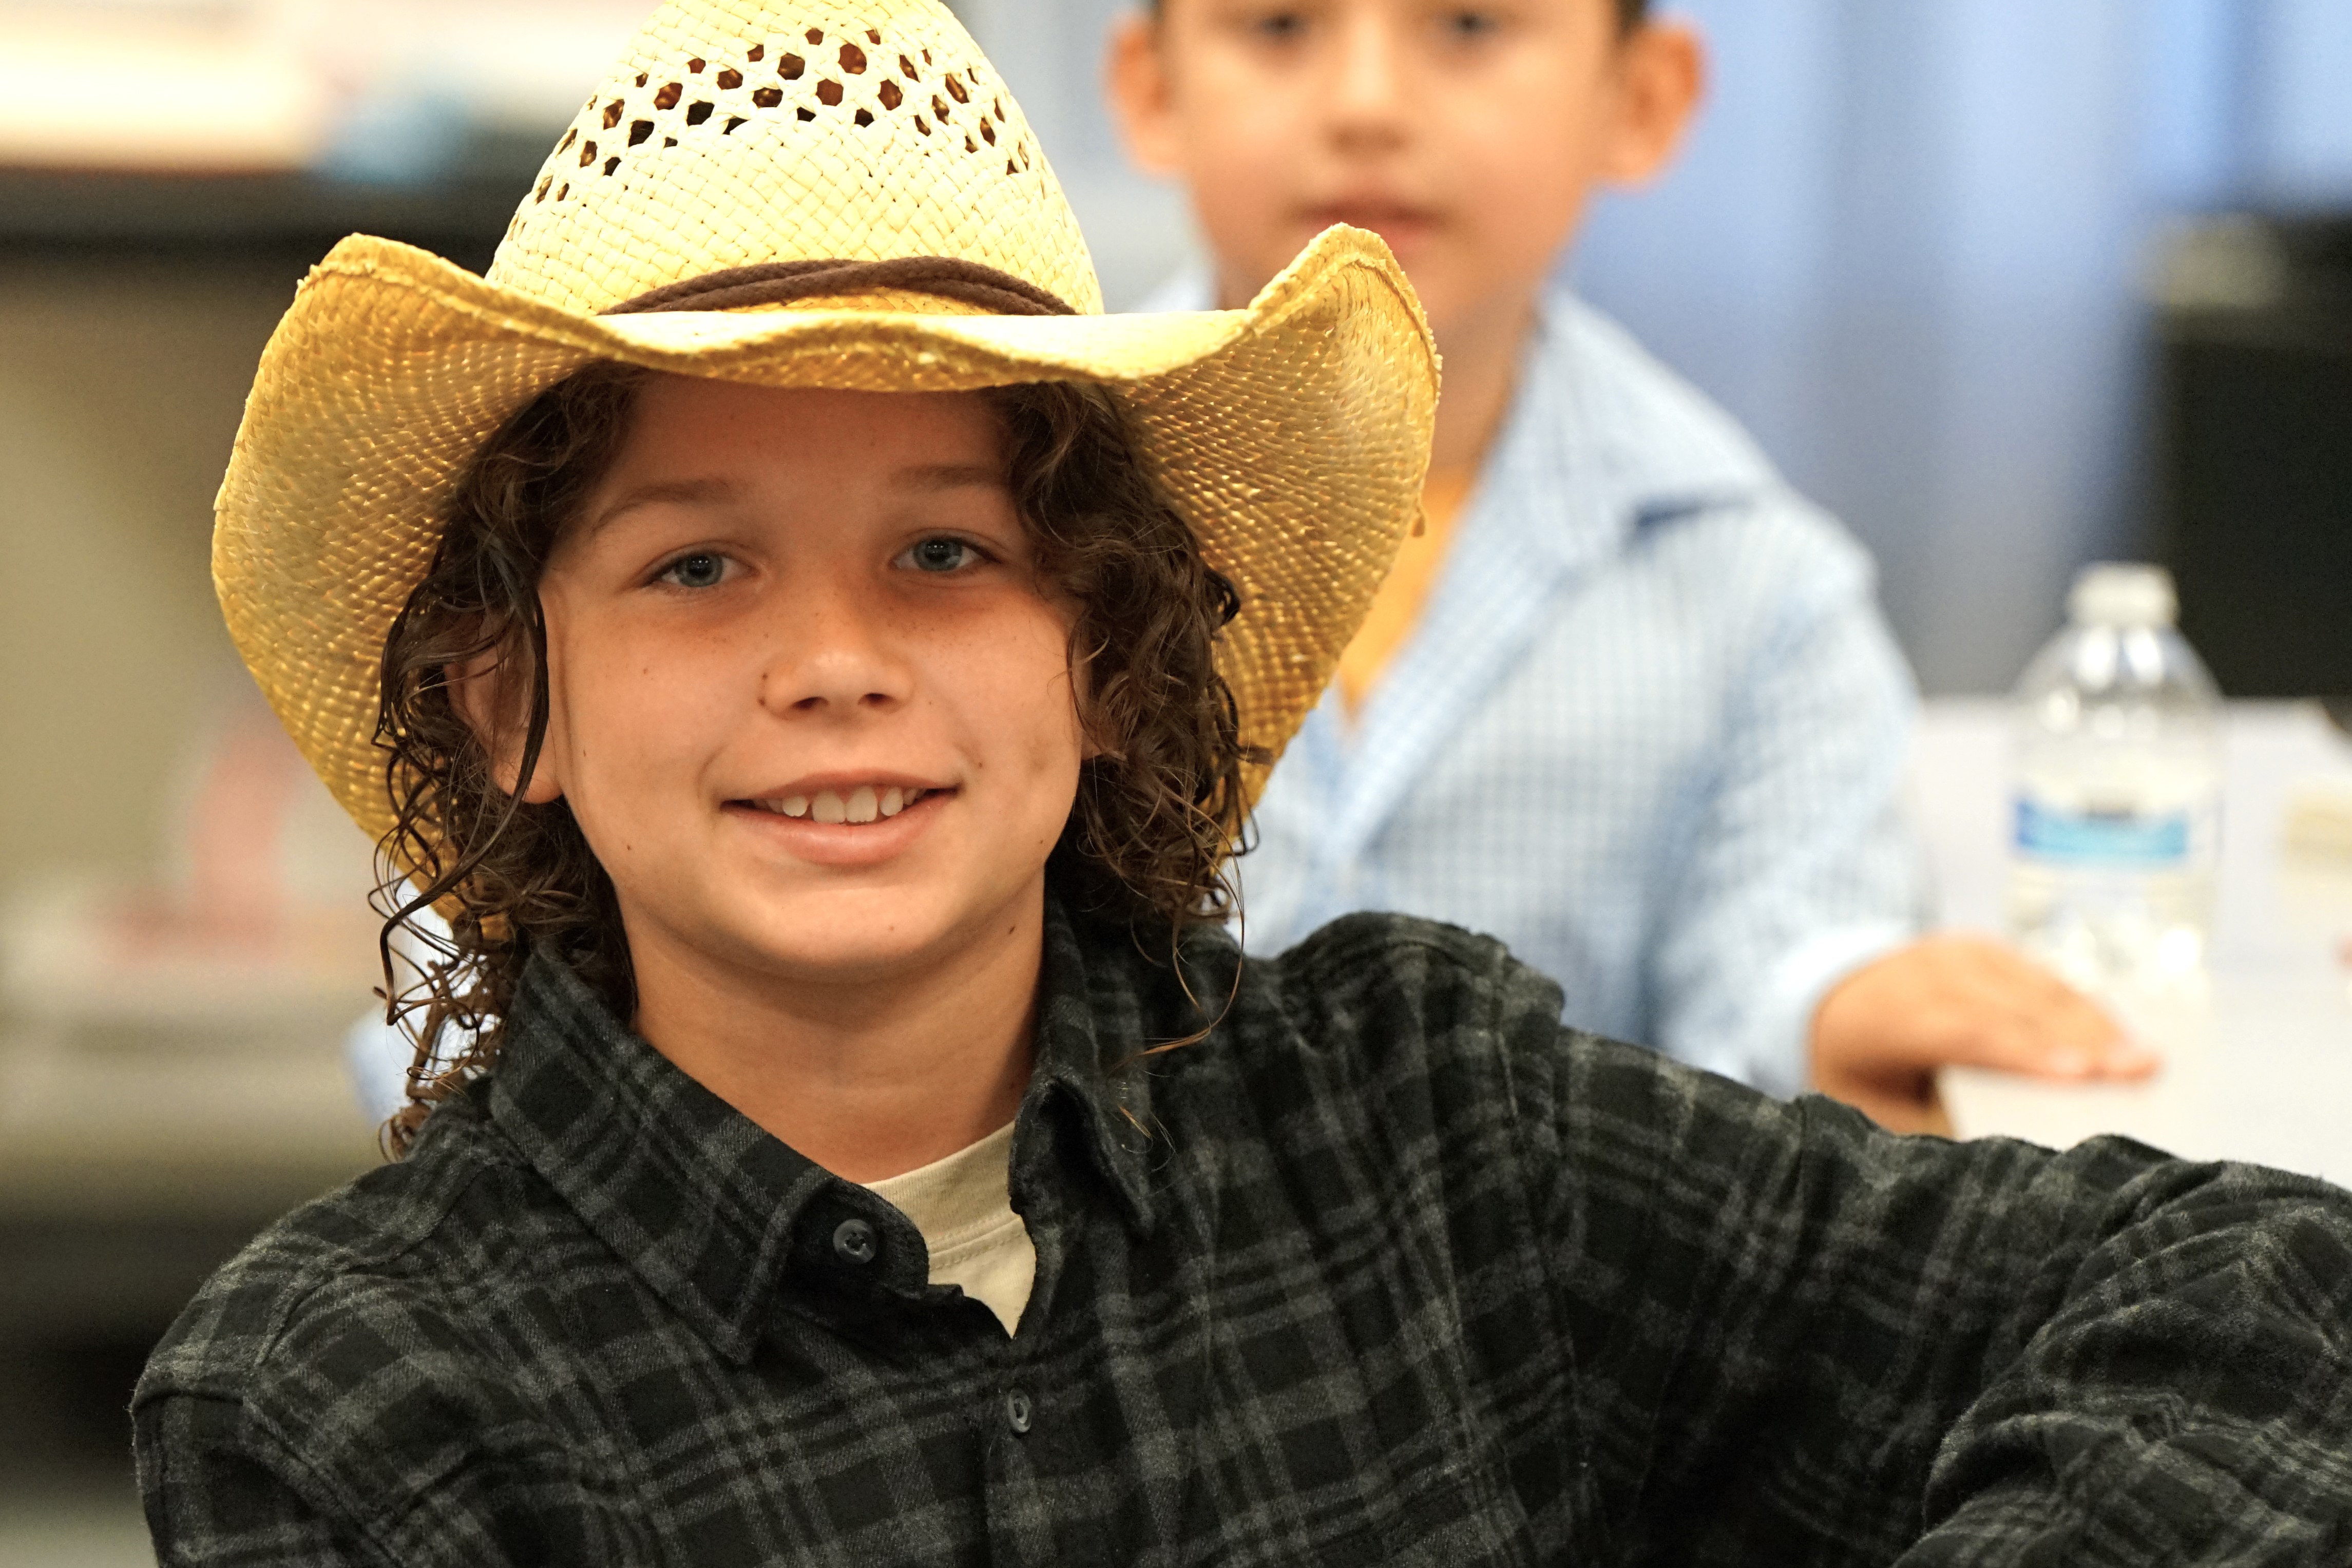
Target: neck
x,y
869,1077
1481,347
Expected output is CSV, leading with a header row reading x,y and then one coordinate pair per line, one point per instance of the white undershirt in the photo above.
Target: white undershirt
x,y
963,1206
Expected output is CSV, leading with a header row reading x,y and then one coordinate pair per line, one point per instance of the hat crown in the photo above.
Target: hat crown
x,y
735,133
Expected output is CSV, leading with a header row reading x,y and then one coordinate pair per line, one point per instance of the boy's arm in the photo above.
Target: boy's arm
x,y
215,1495
1797,866
1801,1338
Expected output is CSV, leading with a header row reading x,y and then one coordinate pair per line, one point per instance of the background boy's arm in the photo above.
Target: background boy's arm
x,y
1796,867
1783,956
1804,1340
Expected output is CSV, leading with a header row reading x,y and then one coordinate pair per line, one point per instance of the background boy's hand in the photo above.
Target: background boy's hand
x,y
1882,1032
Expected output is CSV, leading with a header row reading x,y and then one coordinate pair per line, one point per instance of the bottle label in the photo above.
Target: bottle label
x,y
2110,837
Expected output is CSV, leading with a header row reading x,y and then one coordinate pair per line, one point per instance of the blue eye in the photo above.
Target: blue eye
x,y
941,554
703,569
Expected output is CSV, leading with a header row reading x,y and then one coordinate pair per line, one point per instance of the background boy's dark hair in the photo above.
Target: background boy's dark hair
x,y
1631,14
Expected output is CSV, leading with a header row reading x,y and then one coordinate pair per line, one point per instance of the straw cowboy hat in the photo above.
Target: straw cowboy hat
x,y
807,195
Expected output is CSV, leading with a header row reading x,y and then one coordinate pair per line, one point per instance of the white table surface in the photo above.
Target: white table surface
x,y
2261,1068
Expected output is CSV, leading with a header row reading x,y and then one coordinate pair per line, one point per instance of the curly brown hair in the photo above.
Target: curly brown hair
x,y
1159,808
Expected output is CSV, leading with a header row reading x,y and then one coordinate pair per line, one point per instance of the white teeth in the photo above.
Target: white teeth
x,y
867,803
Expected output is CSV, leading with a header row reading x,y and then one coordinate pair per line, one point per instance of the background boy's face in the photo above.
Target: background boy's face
x,y
784,606
1469,136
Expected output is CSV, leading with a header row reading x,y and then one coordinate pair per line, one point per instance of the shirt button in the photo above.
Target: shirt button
x,y
853,1241
1018,1412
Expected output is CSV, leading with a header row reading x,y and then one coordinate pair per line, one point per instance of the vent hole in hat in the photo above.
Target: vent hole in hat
x,y
864,117
969,146
669,140
639,129
540,194
920,126
668,95
828,93
767,97
805,112
939,108
889,94
697,113
790,67
907,69
955,89
853,59
641,78
1009,170
731,78
694,68
565,192
755,54
569,137
816,35
587,154
1024,151
733,121
612,114
988,131
926,56
610,164
872,36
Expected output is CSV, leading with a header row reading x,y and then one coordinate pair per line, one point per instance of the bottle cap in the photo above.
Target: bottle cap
x,y
2123,594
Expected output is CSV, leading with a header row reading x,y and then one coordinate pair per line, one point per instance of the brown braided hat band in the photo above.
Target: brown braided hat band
x,y
783,282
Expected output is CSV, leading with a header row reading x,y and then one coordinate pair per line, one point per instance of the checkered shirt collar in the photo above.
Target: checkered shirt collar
x,y
717,1215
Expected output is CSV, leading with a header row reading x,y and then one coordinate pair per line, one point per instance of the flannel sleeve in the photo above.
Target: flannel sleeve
x,y
215,1496
1801,1339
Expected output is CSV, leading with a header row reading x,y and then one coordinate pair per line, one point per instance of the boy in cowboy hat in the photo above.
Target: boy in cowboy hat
x,y
817,663
1628,703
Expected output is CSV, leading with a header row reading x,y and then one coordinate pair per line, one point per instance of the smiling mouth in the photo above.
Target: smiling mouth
x,y
853,807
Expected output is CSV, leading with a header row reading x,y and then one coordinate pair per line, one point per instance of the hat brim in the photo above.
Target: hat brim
x,y
1292,434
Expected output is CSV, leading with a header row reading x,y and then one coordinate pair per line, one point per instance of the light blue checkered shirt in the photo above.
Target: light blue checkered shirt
x,y
1650,731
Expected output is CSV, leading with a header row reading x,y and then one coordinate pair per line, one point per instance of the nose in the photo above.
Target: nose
x,y
1366,96
833,655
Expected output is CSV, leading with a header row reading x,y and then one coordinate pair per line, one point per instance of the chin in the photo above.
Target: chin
x,y
856,936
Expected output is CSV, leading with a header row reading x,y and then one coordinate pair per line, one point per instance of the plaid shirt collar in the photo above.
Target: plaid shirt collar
x,y
720,1217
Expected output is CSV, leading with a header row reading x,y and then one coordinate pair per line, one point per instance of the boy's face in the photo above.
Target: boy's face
x,y
809,702
1469,136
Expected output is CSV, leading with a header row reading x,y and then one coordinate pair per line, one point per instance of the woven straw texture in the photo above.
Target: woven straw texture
x,y
1293,435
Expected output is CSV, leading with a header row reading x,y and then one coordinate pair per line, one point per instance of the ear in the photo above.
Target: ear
x,y
1661,78
478,691
1142,95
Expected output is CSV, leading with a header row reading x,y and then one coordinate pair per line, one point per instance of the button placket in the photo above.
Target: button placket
x,y
1020,1413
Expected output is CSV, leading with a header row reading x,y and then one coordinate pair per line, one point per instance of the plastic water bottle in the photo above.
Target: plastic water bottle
x,y
2116,824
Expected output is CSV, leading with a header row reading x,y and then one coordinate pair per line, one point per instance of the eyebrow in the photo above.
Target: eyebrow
x,y
924,477
949,476
675,492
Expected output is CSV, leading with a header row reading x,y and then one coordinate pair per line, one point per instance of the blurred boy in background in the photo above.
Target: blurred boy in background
x,y
1628,703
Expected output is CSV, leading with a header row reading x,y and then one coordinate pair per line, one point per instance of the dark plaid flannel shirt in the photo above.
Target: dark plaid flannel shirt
x,y
1403,1272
